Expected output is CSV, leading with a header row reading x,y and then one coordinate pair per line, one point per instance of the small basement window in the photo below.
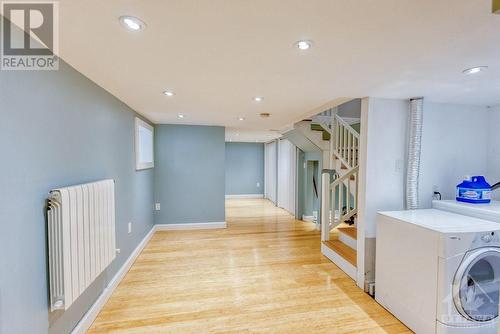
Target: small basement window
x,y
144,145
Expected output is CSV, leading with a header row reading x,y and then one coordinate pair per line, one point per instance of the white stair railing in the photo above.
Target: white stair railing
x,y
341,201
340,196
345,142
344,202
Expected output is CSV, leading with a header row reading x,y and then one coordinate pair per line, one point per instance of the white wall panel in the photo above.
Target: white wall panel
x,y
454,144
287,169
493,152
270,171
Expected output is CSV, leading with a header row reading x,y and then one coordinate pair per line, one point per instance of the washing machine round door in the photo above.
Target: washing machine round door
x,y
476,285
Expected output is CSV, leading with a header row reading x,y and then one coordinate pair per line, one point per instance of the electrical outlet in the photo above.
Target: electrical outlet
x,y
435,193
258,184
130,227
157,206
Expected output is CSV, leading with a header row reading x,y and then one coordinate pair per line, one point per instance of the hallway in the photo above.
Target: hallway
x,y
263,274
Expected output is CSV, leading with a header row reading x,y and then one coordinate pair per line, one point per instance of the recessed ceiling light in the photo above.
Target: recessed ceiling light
x,y
180,116
303,44
241,118
168,93
258,99
237,134
474,70
132,23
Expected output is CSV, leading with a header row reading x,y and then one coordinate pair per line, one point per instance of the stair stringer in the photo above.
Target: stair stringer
x,y
316,137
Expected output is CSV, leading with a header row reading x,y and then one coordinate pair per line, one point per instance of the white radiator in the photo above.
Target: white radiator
x,y
81,237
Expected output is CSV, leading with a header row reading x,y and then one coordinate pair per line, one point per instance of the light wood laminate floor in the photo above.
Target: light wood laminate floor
x,y
263,274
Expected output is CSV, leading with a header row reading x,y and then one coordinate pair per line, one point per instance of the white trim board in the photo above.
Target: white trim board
x,y
89,317
245,196
191,226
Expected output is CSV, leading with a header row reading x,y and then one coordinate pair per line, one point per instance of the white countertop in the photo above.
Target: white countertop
x,y
489,211
443,221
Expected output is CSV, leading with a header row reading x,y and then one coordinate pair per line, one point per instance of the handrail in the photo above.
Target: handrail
x,y
346,142
347,125
340,198
341,179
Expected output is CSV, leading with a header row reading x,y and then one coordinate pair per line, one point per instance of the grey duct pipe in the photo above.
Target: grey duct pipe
x,y
414,145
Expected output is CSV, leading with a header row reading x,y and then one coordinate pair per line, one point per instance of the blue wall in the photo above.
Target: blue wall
x,y
58,128
244,168
189,174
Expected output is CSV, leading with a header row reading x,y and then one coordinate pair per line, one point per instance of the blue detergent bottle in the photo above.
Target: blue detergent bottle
x,y
474,190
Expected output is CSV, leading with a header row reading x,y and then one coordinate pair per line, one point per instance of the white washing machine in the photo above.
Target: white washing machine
x,y
439,272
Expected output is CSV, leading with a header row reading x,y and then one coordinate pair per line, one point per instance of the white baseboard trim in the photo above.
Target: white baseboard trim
x,y
89,317
308,218
245,196
191,226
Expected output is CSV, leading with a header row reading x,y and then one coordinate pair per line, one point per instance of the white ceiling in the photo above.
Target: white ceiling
x,y
218,54
246,135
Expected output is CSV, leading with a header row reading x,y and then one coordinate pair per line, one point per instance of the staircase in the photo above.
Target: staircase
x,y
339,143
340,195
308,136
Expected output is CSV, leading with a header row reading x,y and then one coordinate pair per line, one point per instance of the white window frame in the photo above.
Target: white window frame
x,y
139,123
